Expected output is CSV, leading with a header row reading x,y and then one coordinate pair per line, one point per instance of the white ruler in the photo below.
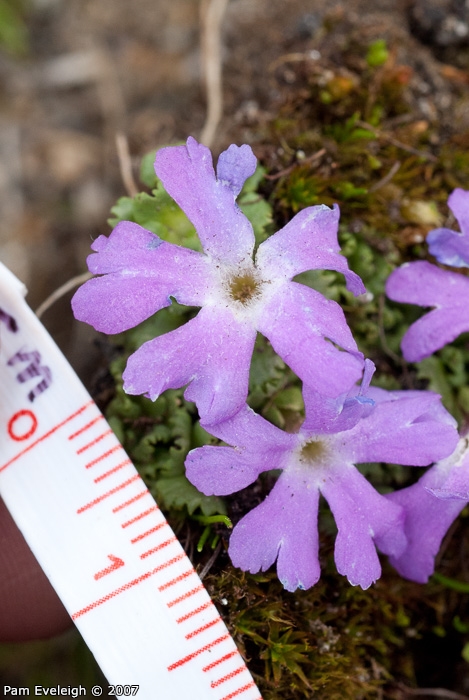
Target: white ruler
x,y
97,532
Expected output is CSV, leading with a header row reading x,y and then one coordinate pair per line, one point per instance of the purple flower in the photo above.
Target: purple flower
x,y
212,352
427,285
451,247
431,505
402,427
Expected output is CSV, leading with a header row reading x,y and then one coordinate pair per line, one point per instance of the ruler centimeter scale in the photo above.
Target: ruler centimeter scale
x,y
97,532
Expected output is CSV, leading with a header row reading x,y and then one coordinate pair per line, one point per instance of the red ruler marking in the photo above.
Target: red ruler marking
x,y
203,628
126,586
198,610
220,661
116,563
86,427
104,455
241,690
178,579
185,596
228,677
139,517
125,463
131,500
94,442
149,532
189,657
158,548
111,492
46,435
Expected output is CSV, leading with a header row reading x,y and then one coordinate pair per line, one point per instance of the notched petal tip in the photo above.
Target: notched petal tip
x,y
234,167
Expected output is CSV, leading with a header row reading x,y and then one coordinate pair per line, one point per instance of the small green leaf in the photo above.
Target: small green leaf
x,y
147,170
178,492
252,183
13,32
347,190
290,399
459,586
460,626
432,368
123,210
377,53
259,213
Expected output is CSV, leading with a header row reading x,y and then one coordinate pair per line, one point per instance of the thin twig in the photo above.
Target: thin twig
x,y
61,291
433,692
296,57
125,164
304,161
212,12
387,178
385,137
210,562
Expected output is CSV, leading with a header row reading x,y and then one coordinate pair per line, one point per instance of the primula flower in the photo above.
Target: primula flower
x,y
427,285
212,352
431,505
405,427
452,247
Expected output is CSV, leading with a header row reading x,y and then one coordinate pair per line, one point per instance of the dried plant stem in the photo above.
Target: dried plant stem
x,y
432,692
305,161
387,178
212,12
61,291
399,144
125,164
210,563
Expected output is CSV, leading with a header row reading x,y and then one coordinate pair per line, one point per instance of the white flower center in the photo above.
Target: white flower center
x,y
243,289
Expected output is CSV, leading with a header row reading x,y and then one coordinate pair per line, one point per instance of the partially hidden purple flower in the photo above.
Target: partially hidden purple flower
x,y
409,428
212,352
427,285
431,505
452,247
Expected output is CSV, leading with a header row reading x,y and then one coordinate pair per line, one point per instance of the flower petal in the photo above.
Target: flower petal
x,y
363,518
260,446
283,527
458,202
188,176
223,470
307,242
451,247
247,430
427,521
453,475
326,415
409,428
296,320
234,167
434,330
140,273
212,352
426,285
